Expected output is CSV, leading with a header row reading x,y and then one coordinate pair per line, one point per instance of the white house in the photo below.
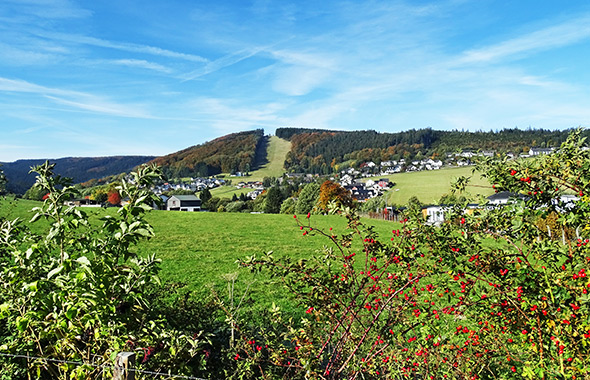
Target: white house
x,y
183,203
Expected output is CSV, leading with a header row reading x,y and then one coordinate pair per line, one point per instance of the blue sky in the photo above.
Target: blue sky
x,y
99,78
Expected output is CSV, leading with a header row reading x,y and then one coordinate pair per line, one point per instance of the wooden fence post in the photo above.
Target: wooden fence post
x,y
124,362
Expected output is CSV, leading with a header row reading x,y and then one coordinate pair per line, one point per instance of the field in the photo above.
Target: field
x,y
275,153
429,186
200,249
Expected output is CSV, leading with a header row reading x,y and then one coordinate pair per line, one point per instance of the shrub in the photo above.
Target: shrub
x,y
482,296
78,293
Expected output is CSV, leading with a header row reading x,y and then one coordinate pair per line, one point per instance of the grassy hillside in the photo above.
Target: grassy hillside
x,y
273,167
429,186
276,153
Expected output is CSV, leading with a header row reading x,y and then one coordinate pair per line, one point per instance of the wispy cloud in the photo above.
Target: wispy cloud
x,y
15,56
223,62
124,46
94,104
231,109
141,64
78,100
50,9
566,33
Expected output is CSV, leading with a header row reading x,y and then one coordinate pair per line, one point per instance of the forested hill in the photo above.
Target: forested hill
x,y
228,154
318,151
80,169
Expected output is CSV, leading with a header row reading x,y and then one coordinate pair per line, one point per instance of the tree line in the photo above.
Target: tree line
x,y
232,153
322,151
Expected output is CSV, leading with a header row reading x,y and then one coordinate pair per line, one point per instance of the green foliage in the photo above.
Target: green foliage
x,y
236,206
273,200
452,199
35,193
484,295
79,293
180,192
375,204
288,206
308,198
205,195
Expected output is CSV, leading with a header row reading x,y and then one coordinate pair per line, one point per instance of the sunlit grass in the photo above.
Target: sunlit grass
x,y
429,186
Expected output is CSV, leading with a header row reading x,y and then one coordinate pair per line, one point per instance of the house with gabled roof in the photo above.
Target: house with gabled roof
x,y
183,203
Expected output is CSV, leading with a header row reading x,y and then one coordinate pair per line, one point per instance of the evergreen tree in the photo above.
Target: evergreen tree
x,y
272,203
288,206
205,195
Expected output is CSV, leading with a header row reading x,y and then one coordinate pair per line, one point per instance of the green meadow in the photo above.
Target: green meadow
x,y
201,249
429,186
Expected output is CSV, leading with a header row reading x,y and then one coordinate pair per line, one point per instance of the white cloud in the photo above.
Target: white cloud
x,y
97,105
78,100
142,64
299,80
566,33
124,46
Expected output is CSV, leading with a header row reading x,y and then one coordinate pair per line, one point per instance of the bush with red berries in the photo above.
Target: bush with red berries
x,y
487,294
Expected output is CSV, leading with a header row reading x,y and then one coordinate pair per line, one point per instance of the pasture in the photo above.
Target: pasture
x,y
201,249
429,186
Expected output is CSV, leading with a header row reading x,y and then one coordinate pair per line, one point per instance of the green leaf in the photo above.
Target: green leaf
x,y
3,309
22,324
32,286
35,217
55,271
144,232
71,313
83,260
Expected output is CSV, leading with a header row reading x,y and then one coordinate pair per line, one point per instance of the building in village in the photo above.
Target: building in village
x,y
183,203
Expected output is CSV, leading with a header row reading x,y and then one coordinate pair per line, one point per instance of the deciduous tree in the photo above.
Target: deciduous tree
x,y
332,192
307,198
114,198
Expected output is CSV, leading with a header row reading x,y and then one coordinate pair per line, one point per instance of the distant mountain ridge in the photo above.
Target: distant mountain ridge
x,y
312,151
80,169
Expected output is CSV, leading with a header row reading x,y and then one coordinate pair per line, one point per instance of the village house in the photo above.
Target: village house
x,y
84,202
539,151
183,203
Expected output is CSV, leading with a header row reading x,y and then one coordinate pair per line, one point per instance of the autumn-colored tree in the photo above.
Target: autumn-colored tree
x,y
332,191
114,198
